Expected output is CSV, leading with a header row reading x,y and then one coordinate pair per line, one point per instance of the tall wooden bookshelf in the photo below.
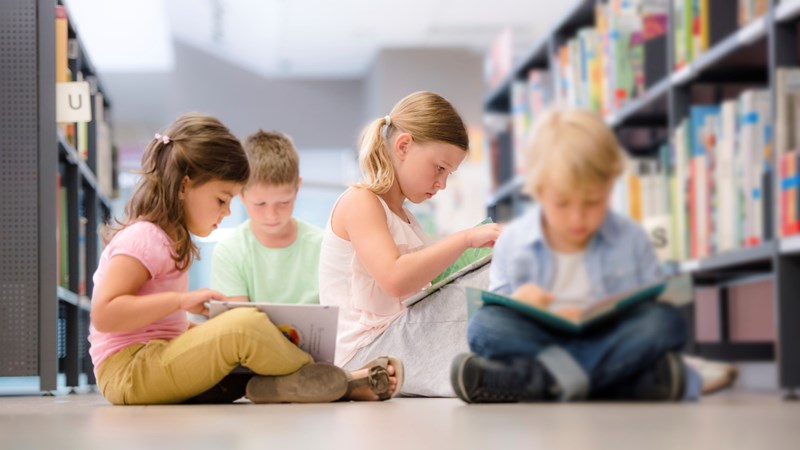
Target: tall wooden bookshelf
x,y
44,311
748,52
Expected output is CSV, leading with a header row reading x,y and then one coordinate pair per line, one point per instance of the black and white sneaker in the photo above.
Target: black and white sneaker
x,y
664,381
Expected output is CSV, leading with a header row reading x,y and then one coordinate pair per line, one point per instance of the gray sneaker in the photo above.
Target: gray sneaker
x,y
312,383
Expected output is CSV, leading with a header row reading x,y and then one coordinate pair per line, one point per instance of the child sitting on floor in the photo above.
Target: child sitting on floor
x,y
566,251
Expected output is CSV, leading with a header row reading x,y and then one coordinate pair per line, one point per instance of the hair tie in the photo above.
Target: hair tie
x,y
385,127
164,138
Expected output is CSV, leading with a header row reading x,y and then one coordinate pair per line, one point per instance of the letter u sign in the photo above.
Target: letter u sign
x,y
73,102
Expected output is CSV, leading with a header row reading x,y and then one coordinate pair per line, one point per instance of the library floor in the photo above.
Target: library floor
x,y
735,419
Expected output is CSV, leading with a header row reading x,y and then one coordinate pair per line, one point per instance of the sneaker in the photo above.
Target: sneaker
x,y
312,383
480,380
665,381
716,375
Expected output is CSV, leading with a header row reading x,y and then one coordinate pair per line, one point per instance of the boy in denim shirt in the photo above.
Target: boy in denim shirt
x,y
568,250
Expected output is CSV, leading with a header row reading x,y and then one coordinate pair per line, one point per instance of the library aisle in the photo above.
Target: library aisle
x,y
705,98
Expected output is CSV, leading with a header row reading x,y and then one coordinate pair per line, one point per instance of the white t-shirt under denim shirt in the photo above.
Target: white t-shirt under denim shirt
x,y
571,281
619,257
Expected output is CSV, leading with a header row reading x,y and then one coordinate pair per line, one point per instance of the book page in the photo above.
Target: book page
x,y
310,327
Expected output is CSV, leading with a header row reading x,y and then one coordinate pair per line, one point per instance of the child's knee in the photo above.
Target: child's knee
x,y
247,318
664,323
487,320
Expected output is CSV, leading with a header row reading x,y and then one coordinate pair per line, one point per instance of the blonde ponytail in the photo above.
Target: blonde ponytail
x,y
374,160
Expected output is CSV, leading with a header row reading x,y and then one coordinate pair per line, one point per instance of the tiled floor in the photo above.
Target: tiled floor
x,y
729,420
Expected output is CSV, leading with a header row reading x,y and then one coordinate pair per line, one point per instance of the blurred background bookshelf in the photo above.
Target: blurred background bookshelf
x,y
703,96
60,180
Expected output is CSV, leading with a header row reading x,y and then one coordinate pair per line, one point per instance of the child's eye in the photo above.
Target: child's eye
x,y
221,201
439,169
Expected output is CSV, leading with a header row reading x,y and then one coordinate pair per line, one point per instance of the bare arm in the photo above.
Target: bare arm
x,y
117,308
360,218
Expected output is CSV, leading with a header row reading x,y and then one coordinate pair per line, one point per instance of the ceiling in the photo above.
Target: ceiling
x,y
296,38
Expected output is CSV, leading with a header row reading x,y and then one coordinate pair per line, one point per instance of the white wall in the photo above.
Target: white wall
x,y
316,113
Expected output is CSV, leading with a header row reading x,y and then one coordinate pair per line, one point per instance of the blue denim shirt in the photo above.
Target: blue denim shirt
x,y
619,257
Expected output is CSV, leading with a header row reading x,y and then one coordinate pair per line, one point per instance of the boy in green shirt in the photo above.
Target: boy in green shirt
x,y
272,257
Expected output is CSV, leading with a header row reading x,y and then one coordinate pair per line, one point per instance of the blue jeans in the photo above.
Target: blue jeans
x,y
612,353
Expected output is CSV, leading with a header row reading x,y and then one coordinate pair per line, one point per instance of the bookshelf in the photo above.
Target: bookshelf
x,y
738,59
60,181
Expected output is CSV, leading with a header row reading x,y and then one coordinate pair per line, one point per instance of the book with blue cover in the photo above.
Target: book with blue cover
x,y
674,290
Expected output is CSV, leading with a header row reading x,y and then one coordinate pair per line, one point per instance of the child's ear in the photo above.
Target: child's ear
x,y
299,182
401,145
182,192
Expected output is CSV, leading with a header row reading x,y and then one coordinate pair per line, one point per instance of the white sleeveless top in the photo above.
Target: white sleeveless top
x,y
365,310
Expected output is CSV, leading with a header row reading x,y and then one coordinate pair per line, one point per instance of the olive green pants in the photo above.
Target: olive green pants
x,y
174,371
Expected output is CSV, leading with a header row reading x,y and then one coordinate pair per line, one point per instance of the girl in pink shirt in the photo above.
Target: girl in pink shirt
x,y
144,349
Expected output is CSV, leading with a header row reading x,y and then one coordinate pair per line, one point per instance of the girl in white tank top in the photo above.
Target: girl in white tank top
x,y
374,252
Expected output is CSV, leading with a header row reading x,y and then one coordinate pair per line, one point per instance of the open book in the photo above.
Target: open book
x,y
471,259
310,327
597,313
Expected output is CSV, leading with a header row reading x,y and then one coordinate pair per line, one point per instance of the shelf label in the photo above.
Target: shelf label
x,y
790,244
750,32
788,9
683,75
73,102
657,229
690,266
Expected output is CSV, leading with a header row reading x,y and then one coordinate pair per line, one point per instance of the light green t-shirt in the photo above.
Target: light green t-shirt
x,y
243,266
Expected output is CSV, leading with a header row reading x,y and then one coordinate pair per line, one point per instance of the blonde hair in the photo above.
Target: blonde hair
x,y
426,116
273,159
573,148
196,146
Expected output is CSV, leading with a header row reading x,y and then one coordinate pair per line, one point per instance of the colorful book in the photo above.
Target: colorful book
x,y
472,259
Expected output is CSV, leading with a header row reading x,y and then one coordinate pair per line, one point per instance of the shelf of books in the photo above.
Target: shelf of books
x,y
704,96
86,185
59,172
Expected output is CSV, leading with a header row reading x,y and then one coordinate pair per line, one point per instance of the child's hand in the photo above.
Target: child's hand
x,y
533,295
571,313
483,235
194,301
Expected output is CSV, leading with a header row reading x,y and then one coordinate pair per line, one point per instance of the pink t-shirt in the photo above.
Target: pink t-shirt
x,y
149,244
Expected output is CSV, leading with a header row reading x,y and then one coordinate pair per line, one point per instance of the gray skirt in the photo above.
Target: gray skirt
x,y
427,338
